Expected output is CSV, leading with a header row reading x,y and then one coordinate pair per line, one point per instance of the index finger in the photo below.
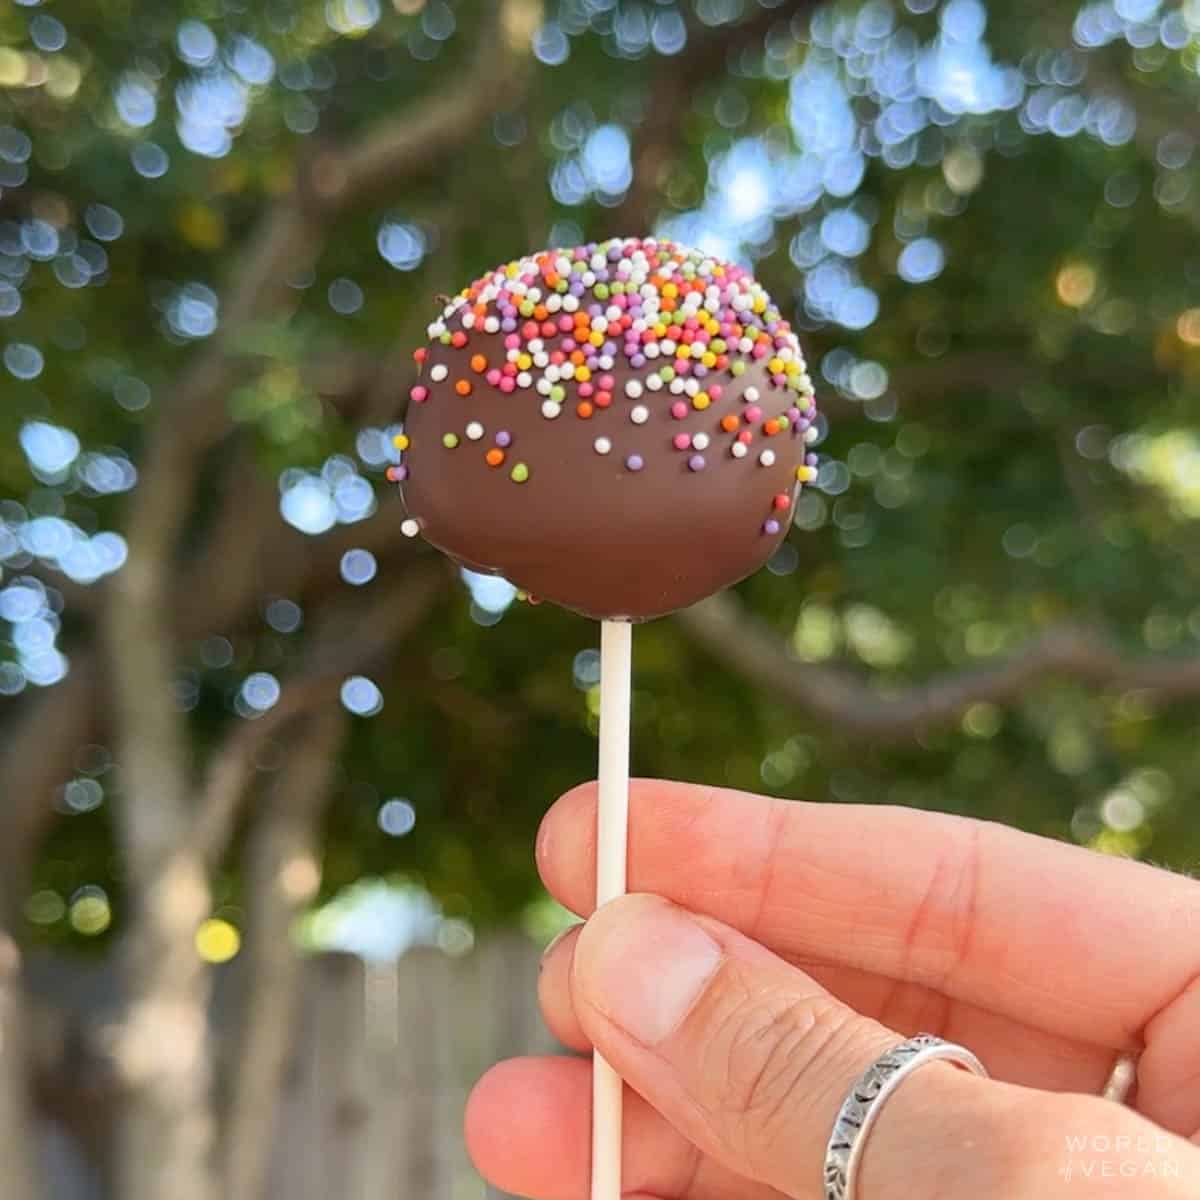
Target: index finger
x,y
1059,937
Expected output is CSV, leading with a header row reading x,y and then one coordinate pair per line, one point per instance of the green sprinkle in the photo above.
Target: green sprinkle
x,y
666,374
717,345
784,423
561,286
738,367
449,440
520,473
617,288
558,393
526,308
601,291
444,338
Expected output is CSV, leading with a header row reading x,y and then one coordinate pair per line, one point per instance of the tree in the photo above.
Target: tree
x,y
221,232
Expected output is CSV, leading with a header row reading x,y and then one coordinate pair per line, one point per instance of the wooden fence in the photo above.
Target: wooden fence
x,y
381,1066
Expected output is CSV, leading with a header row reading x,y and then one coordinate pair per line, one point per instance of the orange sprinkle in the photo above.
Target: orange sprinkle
x,y
494,457
771,427
584,409
729,423
478,363
541,312
463,387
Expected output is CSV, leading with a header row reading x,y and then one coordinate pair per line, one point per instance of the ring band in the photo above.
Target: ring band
x,y
1122,1079
866,1098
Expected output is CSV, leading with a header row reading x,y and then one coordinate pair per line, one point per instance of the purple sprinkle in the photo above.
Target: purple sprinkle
x,y
634,462
793,413
602,275
568,345
503,438
400,473
699,370
609,347
614,253
576,289
595,310
696,462
804,424
810,460
508,324
638,360
771,526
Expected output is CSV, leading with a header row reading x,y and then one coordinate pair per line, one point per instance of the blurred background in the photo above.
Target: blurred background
x,y
270,774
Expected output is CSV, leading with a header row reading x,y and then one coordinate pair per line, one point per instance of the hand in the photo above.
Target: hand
x,y
785,946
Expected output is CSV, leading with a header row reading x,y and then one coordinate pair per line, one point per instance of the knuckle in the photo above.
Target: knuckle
x,y
770,1044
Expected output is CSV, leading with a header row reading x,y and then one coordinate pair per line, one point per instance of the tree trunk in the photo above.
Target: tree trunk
x,y
282,874
162,1047
16,1134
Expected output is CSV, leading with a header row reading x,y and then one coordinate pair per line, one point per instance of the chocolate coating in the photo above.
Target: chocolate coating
x,y
583,528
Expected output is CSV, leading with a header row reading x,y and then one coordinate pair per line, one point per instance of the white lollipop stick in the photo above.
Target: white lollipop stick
x,y
612,838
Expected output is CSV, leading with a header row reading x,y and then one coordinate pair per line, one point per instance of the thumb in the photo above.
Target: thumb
x,y
751,1060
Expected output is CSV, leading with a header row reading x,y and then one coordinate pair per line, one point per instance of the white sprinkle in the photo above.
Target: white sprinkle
x,y
654,383
491,324
602,445
474,431
811,434
439,372
738,450
524,379
410,528
566,370
640,415
767,458
700,441
633,388
606,362
677,385
543,386
667,346
550,410
750,395
570,303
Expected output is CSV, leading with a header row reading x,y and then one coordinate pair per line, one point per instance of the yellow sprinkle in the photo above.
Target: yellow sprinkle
x,y
583,374
700,401
401,442
670,291
775,365
708,358
596,338
660,330
524,362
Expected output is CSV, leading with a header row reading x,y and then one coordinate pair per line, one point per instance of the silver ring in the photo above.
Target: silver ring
x,y
1122,1079
866,1098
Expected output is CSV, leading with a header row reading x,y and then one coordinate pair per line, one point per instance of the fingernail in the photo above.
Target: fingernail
x,y
643,963
553,943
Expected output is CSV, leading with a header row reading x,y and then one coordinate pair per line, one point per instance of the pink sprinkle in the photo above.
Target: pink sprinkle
x,y
753,413
606,383
419,395
682,441
760,350
508,384
493,376
512,341
715,391
679,410
530,330
585,389
565,323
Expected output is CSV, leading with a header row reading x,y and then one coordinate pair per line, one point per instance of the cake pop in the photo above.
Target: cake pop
x,y
620,428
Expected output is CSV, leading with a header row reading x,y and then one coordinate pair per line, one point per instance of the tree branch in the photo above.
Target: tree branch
x,y
838,698
353,639
660,137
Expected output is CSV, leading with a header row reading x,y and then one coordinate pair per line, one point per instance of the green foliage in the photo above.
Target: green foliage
x,y
1012,442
